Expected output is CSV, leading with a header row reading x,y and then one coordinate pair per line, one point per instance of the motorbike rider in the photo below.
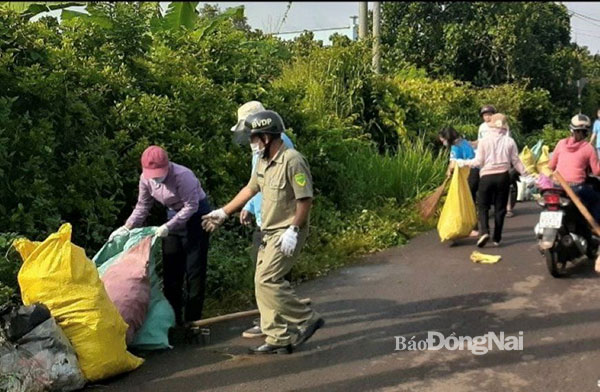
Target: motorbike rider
x,y
574,158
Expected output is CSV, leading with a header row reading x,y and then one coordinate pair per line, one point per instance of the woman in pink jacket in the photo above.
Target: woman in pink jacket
x,y
495,154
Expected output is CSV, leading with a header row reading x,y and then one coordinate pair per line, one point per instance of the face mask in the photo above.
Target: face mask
x,y
256,149
158,180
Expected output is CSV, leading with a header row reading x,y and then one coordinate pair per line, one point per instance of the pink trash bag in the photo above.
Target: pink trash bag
x,y
544,182
128,285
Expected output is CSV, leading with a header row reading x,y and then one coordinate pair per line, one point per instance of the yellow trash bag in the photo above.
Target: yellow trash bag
x,y
458,215
542,163
58,274
528,160
478,257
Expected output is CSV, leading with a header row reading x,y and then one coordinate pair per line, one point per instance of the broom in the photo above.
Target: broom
x,y
428,205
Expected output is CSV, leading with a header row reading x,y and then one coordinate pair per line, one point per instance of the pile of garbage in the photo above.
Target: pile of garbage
x,y
80,316
127,266
35,354
536,162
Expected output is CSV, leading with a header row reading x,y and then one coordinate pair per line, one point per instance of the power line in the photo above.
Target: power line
x,y
586,20
586,31
302,31
585,16
587,35
283,20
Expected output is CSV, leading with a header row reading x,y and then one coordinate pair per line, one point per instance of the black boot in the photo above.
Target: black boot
x,y
306,333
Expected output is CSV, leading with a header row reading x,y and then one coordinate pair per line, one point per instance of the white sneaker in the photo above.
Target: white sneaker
x,y
483,240
254,332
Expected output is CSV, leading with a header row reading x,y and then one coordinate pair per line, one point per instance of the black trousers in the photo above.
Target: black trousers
x,y
473,181
184,267
494,190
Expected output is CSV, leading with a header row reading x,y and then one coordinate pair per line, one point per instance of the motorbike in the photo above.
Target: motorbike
x,y
563,233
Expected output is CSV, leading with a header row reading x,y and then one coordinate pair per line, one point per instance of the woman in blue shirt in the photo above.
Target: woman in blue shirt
x,y
461,149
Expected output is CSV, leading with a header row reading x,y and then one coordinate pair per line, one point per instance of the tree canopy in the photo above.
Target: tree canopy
x,y
486,43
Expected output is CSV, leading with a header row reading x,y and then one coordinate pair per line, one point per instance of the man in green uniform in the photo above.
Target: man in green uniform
x,y
283,176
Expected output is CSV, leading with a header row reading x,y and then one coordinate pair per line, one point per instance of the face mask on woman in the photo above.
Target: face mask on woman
x,y
158,180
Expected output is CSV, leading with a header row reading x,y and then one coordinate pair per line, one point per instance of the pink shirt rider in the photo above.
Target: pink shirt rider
x,y
572,160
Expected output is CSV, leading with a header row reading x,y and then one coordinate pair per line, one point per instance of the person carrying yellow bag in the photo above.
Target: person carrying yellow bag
x,y
494,156
458,214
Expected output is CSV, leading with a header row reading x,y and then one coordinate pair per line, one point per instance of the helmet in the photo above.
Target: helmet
x,y
244,111
487,109
266,121
580,122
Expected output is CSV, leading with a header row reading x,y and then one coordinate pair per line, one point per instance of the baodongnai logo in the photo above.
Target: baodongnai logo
x,y
261,123
478,345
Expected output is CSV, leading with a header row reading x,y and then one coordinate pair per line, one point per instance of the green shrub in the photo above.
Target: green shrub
x,y
527,110
9,266
549,135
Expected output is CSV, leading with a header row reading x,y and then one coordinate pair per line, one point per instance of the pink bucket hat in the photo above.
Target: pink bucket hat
x,y
155,162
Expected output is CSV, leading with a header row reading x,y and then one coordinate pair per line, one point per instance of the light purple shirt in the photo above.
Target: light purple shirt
x,y
180,191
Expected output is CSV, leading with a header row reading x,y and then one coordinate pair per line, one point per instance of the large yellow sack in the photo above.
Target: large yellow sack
x,y
458,215
542,163
528,160
58,274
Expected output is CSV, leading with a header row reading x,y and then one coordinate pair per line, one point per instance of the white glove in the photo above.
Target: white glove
x,y
211,221
288,241
162,231
121,231
460,162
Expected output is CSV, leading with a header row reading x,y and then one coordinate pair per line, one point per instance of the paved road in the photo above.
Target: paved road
x,y
425,286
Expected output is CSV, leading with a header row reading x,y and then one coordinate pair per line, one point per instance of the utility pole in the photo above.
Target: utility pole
x,y
354,28
362,19
377,37
580,84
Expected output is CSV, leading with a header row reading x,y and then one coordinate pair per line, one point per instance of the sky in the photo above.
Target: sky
x,y
585,32
268,16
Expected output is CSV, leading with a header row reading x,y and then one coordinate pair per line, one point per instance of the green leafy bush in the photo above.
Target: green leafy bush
x,y
550,135
9,266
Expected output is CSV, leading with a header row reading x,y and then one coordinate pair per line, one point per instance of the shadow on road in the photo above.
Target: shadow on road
x,y
374,324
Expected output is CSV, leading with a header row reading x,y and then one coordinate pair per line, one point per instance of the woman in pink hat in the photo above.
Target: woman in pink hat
x,y
185,242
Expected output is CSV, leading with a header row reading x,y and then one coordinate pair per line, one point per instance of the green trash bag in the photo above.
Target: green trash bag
x,y
154,332
537,150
